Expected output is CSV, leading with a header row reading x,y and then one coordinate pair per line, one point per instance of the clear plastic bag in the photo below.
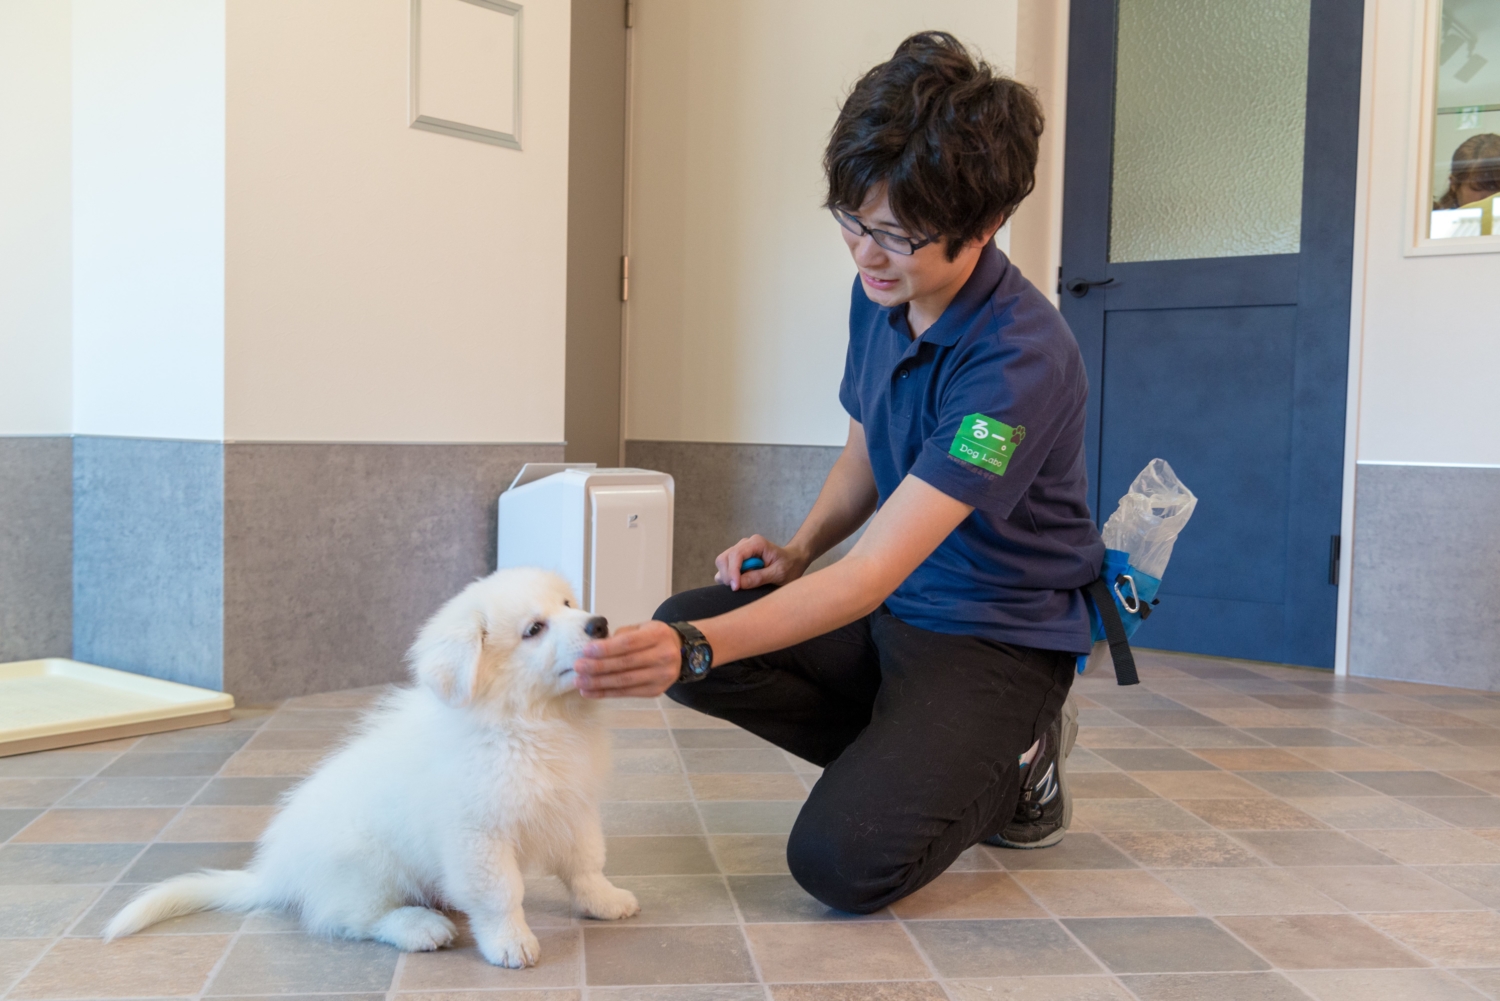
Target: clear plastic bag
x,y
1151,515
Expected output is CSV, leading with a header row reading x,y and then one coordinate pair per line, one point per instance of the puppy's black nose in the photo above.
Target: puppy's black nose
x,y
597,627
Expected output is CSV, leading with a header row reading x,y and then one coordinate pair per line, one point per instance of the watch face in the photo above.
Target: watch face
x,y
700,659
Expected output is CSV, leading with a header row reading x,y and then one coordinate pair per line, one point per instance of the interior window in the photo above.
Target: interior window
x,y
1466,123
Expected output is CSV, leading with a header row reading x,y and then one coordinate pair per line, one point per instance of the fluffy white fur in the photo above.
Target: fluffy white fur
x,y
490,764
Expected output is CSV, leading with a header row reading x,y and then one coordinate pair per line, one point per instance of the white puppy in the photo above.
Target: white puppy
x,y
490,764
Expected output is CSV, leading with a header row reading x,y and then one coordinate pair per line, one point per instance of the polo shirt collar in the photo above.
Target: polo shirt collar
x,y
983,281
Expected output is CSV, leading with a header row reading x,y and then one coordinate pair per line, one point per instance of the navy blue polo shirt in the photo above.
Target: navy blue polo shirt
x,y
987,406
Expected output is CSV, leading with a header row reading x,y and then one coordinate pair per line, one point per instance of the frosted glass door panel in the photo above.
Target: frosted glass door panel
x,y
1210,98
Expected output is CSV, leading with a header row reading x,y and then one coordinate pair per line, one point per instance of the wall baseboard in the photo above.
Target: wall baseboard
x,y
36,547
264,570
728,491
1426,578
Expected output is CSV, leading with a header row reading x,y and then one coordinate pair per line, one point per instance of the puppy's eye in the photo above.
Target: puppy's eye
x,y
567,603
535,629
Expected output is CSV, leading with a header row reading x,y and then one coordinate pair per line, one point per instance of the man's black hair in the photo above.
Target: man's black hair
x,y
954,141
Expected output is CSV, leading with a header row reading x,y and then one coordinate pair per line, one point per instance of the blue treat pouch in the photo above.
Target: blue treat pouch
x,y
1138,538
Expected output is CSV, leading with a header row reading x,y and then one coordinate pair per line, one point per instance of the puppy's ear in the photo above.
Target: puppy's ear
x,y
446,655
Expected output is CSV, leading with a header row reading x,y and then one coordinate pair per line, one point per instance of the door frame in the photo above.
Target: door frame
x,y
1319,280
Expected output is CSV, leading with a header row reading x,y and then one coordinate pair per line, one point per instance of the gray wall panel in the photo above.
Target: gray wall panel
x,y
336,553
148,557
1426,579
36,548
726,492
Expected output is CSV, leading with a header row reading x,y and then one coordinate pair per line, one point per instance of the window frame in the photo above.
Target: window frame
x,y
1423,133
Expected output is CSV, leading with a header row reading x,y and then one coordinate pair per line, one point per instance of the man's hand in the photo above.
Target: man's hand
x,y
782,565
637,662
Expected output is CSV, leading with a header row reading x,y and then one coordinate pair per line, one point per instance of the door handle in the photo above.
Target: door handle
x,y
1079,287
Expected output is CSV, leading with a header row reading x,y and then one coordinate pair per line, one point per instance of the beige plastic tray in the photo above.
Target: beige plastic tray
x,y
58,703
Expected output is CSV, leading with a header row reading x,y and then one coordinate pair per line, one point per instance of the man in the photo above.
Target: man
x,y
926,670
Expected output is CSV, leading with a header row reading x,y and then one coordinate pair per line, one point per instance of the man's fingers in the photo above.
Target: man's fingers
x,y
615,681
589,667
628,640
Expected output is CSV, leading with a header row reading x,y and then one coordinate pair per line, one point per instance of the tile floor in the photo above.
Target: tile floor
x,y
1242,831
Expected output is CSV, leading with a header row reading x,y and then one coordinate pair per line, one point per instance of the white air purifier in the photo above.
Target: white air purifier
x,y
608,532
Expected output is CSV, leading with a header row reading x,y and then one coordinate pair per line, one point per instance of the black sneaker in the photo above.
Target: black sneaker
x,y
1045,809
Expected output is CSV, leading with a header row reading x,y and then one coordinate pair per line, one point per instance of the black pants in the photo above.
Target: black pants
x,y
918,733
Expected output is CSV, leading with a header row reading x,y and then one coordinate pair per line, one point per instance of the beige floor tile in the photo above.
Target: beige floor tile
x,y
621,954
295,740
1119,736
348,698
1458,938
1300,848
463,968
1184,849
16,955
1394,737
81,826
680,900
747,785
1319,941
1106,785
1383,985
1255,759
837,952
1247,891
1198,785
976,858
1039,989
1436,847
648,761
969,895
1492,834
1384,888
1251,717
749,854
1451,759
270,763
25,793
772,899
1103,893
219,823
630,787
1487,981
304,964
1489,781
650,818
655,855
909,990
128,968
1354,759
1261,814
634,719
1133,815
313,719
1365,813
691,719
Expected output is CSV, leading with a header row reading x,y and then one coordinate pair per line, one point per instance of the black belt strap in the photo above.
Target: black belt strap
x,y
1114,632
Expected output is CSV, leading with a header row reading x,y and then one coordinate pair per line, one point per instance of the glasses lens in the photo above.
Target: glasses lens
x,y
895,244
848,222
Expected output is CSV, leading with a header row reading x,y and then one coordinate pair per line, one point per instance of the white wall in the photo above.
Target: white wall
x,y
1426,340
386,283
738,314
148,218
35,263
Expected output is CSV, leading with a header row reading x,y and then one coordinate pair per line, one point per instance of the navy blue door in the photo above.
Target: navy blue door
x,y
1209,181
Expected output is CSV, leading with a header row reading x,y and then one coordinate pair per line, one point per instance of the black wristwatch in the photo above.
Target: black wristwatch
x,y
697,655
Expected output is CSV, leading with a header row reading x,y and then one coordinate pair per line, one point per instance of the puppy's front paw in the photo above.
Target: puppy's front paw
x,y
515,950
609,903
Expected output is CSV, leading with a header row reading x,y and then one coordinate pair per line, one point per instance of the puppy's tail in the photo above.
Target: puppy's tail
x,y
211,889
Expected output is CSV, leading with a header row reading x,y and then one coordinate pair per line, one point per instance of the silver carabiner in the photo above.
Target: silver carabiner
x,y
1135,597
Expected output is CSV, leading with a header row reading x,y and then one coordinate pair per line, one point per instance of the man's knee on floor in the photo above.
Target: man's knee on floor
x,y
837,871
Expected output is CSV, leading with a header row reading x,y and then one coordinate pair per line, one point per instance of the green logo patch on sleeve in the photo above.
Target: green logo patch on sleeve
x,y
986,443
